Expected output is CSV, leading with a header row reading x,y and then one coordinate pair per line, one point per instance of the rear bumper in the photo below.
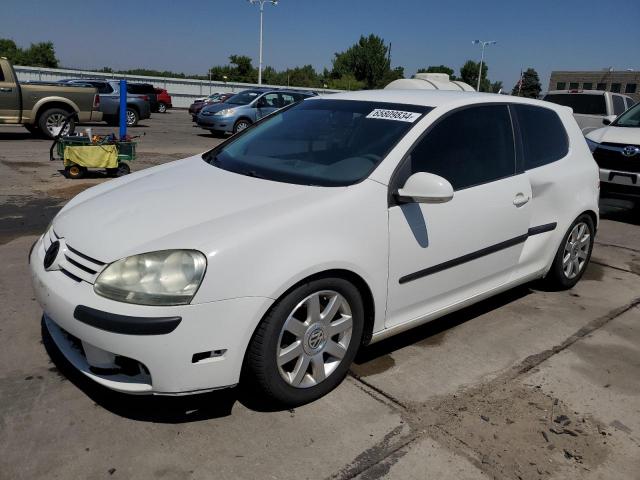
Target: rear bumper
x,y
202,351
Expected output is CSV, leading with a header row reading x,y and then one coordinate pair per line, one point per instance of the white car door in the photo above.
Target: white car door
x,y
443,254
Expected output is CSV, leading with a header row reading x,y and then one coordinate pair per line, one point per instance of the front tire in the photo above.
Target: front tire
x,y
75,172
305,344
162,108
241,125
573,255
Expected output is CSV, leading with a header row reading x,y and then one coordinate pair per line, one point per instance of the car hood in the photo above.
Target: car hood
x,y
184,204
622,135
216,107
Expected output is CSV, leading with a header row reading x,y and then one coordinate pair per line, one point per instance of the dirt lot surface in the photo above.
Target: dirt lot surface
x,y
528,385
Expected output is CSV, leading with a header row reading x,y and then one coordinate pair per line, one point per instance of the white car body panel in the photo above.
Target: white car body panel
x,y
263,237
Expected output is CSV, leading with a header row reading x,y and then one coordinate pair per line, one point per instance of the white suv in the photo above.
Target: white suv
x,y
335,222
591,107
616,149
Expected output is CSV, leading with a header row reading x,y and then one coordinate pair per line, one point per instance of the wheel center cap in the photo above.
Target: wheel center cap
x,y
314,339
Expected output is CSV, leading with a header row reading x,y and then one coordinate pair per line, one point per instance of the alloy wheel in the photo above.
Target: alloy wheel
x,y
314,339
576,250
54,124
131,118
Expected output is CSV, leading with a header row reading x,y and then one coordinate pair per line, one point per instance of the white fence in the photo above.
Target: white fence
x,y
183,91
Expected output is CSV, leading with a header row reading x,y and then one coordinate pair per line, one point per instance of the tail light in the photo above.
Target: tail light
x,y
144,97
96,102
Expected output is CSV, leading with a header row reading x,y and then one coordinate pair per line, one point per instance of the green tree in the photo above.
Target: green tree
x,y
439,69
9,49
346,82
40,54
496,87
469,74
37,55
530,85
244,71
368,61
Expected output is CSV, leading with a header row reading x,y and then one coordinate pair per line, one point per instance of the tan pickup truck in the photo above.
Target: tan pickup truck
x,y
42,107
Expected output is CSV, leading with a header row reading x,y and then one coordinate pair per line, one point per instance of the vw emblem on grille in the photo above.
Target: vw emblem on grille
x,y
630,151
51,254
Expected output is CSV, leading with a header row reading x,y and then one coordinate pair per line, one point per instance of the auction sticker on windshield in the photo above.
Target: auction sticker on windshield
x,y
397,115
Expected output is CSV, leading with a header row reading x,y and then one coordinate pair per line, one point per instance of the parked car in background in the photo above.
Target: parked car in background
x,y
199,104
590,106
245,108
138,107
338,222
164,100
42,107
145,89
616,149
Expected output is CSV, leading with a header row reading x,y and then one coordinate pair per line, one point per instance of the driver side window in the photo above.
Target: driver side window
x,y
469,147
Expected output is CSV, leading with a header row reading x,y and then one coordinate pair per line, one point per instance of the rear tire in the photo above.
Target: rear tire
x,y
75,171
52,119
573,255
162,108
291,369
132,117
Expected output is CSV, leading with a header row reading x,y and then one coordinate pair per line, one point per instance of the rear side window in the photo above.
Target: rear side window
x,y
469,147
544,139
585,104
140,88
618,104
102,87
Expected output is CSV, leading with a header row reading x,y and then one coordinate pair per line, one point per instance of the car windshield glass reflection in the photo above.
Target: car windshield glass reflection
x,y
631,118
243,98
319,142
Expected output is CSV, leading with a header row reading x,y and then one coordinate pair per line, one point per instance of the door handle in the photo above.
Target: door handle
x,y
520,199
5,89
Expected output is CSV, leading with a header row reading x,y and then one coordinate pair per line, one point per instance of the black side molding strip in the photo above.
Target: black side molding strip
x,y
125,324
478,254
547,227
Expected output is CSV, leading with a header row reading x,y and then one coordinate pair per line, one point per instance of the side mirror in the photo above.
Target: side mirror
x,y
423,187
608,119
261,103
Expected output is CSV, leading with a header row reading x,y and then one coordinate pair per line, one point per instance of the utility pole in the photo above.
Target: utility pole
x,y
484,44
261,4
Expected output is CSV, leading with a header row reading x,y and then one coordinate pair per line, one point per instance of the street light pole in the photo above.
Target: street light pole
x,y
261,3
484,44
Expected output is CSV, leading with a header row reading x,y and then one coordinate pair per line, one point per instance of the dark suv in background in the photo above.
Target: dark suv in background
x,y
138,106
145,89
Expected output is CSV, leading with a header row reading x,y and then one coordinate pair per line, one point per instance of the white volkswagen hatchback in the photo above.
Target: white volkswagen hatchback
x,y
331,224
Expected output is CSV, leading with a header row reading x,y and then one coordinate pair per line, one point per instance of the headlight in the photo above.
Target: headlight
x,y
167,277
592,145
226,111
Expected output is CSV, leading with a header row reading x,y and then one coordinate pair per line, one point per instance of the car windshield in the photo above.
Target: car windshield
x,y
318,142
243,98
630,118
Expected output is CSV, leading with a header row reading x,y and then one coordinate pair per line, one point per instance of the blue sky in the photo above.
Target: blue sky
x,y
191,35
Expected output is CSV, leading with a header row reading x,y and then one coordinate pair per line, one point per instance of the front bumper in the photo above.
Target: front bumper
x,y
217,123
617,184
203,352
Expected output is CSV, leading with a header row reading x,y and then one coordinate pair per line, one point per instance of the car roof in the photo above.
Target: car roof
x,y
432,98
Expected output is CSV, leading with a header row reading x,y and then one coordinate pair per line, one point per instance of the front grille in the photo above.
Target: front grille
x,y
73,263
609,156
